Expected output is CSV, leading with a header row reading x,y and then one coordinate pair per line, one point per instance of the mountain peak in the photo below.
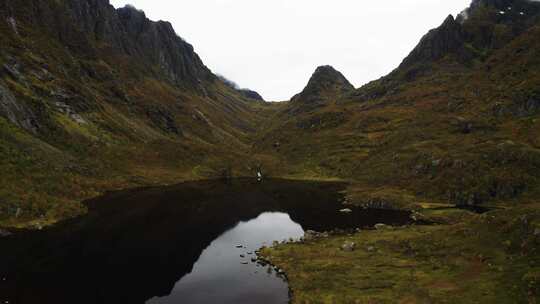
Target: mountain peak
x,y
325,83
128,31
328,71
449,20
437,43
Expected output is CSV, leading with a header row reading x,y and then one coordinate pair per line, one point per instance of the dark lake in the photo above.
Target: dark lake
x,y
189,243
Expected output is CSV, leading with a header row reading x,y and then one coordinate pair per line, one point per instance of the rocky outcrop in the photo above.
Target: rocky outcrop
x,y
86,26
16,112
485,26
158,43
521,106
163,119
439,42
325,85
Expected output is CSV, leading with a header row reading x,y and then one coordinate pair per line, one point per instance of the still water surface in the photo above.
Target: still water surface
x,y
220,275
176,244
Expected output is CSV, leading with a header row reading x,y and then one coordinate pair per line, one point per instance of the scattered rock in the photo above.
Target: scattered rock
x,y
416,216
378,203
70,112
310,235
348,246
370,249
13,25
381,226
239,246
346,210
537,232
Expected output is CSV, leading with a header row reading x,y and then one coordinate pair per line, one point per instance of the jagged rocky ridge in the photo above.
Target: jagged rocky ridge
x,y
125,31
467,40
484,26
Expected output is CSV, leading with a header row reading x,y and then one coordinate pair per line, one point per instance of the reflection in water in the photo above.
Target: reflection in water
x,y
173,244
220,275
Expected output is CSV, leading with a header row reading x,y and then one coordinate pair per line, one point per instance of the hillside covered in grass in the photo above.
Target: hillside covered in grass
x,y
95,98
457,122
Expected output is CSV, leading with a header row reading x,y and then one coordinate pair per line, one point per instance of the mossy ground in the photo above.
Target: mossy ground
x,y
479,258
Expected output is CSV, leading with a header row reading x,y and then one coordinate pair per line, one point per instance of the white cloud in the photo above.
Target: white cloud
x,y
273,46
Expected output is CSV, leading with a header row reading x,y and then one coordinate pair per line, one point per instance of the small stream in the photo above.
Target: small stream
x,y
189,243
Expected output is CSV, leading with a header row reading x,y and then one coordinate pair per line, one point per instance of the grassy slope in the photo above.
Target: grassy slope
x,y
439,138
454,135
126,138
490,258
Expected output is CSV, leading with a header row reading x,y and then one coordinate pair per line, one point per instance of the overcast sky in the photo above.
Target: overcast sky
x,y
273,46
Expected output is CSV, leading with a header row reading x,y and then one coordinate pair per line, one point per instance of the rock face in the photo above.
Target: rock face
x,y
158,43
484,26
325,85
446,39
85,25
16,112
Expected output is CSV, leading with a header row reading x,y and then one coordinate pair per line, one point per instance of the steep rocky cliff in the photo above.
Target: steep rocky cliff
x,y
485,26
124,31
447,39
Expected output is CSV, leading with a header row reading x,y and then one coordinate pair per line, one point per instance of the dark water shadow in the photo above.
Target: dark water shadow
x,y
135,245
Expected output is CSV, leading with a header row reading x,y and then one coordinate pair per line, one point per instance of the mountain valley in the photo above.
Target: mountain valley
x,y
96,99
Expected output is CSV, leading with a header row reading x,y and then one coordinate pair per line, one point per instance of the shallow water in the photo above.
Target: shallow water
x,y
220,275
175,244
